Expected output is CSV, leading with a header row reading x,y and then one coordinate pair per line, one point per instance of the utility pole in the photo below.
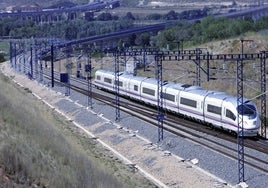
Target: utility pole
x,y
160,115
240,122
52,65
263,93
89,83
117,85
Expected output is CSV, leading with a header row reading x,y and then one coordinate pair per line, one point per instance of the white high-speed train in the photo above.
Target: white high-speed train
x,y
216,108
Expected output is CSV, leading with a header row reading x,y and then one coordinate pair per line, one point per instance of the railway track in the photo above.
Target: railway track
x,y
185,129
203,135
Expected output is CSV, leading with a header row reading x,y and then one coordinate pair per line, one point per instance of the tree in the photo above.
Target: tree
x,y
104,16
129,16
171,15
120,45
2,58
154,16
234,3
131,39
129,3
71,32
145,39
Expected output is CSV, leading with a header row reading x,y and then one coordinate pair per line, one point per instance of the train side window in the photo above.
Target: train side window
x,y
214,109
98,77
188,102
108,80
135,88
119,83
148,91
169,97
230,114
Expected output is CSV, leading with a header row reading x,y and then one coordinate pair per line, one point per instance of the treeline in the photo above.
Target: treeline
x,y
90,26
172,15
67,30
209,29
197,32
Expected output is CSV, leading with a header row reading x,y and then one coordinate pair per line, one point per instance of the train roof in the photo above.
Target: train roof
x,y
105,71
131,76
200,92
228,98
233,100
150,80
219,95
174,85
188,87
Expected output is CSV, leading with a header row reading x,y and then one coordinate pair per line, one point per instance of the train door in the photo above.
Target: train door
x,y
213,112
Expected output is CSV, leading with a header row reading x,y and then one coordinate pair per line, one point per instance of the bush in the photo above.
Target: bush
x,y
2,58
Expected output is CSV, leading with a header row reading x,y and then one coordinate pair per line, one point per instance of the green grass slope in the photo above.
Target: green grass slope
x,y
40,149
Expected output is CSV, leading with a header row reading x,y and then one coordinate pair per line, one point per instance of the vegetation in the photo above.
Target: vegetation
x,y
129,3
42,3
189,14
39,149
209,29
2,58
4,51
63,30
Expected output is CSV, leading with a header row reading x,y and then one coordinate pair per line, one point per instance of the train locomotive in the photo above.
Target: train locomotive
x,y
212,107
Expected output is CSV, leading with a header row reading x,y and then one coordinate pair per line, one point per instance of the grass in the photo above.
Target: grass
x,y
4,49
39,148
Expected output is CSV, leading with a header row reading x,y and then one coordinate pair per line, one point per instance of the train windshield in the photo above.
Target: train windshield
x,y
247,110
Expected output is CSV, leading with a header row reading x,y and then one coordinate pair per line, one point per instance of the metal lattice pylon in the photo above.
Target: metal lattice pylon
x,y
198,71
160,115
52,64
116,87
240,126
263,95
69,70
15,55
89,81
36,72
11,53
31,62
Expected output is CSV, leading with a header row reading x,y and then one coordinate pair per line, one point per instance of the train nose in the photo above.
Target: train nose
x,y
251,124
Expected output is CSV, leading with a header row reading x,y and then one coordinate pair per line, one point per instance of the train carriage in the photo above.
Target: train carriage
x,y
171,92
149,91
104,79
213,108
123,84
134,87
191,102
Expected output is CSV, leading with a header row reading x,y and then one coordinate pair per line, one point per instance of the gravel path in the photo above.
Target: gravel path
x,y
132,140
